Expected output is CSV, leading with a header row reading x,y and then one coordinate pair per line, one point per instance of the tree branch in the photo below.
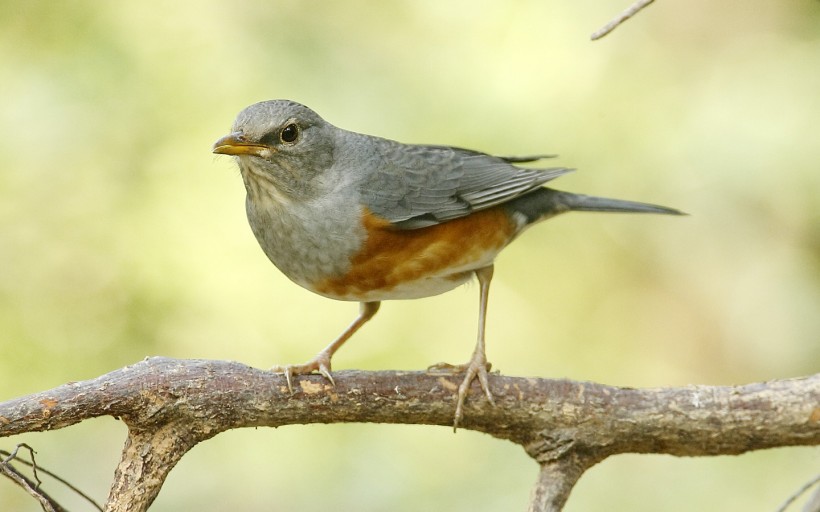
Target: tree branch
x,y
171,405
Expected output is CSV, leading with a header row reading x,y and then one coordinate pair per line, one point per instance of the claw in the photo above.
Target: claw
x,y
289,378
320,363
325,371
477,367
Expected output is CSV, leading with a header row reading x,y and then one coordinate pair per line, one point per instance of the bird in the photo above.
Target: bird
x,y
355,217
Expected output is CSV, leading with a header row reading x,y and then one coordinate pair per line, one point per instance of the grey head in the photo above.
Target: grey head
x,y
283,144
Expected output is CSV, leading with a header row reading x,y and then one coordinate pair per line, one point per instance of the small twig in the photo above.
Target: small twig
x,y
813,505
35,468
10,456
630,11
808,485
46,502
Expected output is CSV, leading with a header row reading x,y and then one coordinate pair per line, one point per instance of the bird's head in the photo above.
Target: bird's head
x,y
281,142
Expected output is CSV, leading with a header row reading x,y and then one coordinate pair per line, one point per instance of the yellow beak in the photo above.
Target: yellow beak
x,y
235,144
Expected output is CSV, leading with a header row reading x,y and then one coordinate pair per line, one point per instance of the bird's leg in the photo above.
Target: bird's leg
x,y
477,366
321,361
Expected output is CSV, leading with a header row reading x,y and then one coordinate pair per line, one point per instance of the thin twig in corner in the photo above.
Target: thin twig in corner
x,y
798,493
630,11
9,456
6,469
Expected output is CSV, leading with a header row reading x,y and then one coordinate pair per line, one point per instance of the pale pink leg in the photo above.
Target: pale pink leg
x,y
478,365
321,362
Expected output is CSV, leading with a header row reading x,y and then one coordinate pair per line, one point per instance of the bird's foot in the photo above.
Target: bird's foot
x,y
320,363
477,367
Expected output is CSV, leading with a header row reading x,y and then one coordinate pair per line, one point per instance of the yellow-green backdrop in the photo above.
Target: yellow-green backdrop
x,y
122,236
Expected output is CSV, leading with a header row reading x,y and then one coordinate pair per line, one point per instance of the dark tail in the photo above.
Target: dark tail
x,y
546,202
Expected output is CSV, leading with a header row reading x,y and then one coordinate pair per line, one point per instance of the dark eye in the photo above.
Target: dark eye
x,y
289,133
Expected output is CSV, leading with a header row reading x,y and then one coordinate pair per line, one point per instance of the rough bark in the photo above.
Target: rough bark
x,y
171,405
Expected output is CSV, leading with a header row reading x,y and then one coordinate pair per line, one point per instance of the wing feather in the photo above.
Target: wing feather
x,y
414,186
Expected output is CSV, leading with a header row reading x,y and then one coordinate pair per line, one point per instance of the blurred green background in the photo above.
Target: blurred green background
x,y
122,236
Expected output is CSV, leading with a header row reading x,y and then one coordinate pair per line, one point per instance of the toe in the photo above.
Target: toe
x,y
287,371
485,384
446,368
324,369
474,369
320,364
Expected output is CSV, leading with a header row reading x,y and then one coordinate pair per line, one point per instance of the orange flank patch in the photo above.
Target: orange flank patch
x,y
449,251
